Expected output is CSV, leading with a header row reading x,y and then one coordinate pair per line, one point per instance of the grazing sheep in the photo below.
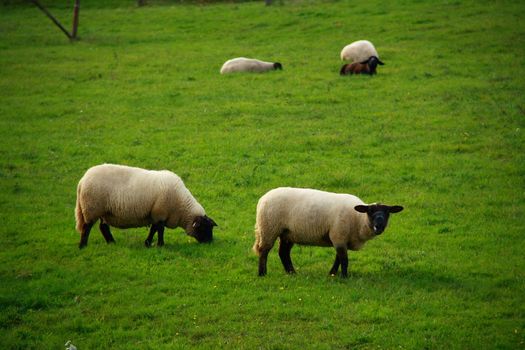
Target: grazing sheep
x,y
124,197
242,64
312,217
358,51
366,67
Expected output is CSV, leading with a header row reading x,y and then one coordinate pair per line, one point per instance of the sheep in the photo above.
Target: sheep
x,y
358,51
125,197
365,67
242,64
312,217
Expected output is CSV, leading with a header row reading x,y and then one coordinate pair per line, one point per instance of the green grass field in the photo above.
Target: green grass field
x,y
439,130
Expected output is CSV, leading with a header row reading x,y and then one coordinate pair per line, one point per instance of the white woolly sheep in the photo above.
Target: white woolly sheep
x,y
365,67
311,217
242,64
358,51
125,197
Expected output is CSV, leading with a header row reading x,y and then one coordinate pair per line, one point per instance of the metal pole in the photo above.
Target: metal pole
x,y
52,18
75,19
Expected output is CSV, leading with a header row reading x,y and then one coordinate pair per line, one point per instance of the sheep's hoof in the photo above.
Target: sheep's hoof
x,y
147,243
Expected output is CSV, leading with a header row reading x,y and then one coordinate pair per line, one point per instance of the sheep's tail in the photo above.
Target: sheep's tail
x,y
78,213
256,246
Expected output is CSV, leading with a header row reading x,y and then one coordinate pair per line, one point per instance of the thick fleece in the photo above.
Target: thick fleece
x,y
243,64
358,51
310,217
124,197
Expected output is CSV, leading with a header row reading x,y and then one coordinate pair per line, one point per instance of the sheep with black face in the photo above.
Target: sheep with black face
x,y
125,197
312,217
358,51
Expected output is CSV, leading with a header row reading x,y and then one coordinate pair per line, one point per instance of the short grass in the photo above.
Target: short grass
x,y
439,130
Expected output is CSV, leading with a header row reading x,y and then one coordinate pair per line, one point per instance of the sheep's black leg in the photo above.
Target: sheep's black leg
x,y
342,254
285,247
86,228
335,267
104,228
160,230
152,231
263,258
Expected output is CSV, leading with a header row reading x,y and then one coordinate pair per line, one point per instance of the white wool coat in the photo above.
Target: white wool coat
x,y
310,217
243,64
358,51
124,197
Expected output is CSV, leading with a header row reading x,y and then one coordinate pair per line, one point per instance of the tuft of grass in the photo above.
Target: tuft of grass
x,y
438,130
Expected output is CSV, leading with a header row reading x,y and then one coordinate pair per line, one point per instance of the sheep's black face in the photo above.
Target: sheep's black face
x,y
203,229
378,215
277,65
372,63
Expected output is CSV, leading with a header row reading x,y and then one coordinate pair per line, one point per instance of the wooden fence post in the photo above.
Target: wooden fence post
x,y
75,19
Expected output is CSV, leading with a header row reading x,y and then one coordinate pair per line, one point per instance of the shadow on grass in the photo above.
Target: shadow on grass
x,y
406,277
181,245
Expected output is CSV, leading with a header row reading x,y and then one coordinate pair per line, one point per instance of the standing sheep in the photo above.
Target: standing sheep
x,y
125,197
312,217
358,51
365,67
242,64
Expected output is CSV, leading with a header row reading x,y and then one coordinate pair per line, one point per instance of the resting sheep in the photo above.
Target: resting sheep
x,y
242,64
312,217
124,197
358,51
365,67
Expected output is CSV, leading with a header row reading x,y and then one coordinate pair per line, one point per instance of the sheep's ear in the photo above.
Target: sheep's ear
x,y
211,221
395,209
361,208
380,63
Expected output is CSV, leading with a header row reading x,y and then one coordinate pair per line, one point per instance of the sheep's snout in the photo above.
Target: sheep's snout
x,y
205,240
378,230
379,222
202,237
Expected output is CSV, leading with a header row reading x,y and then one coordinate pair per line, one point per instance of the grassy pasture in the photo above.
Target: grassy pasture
x,y
439,130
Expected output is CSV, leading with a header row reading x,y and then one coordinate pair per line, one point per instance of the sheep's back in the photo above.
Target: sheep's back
x,y
242,64
305,215
124,196
358,51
